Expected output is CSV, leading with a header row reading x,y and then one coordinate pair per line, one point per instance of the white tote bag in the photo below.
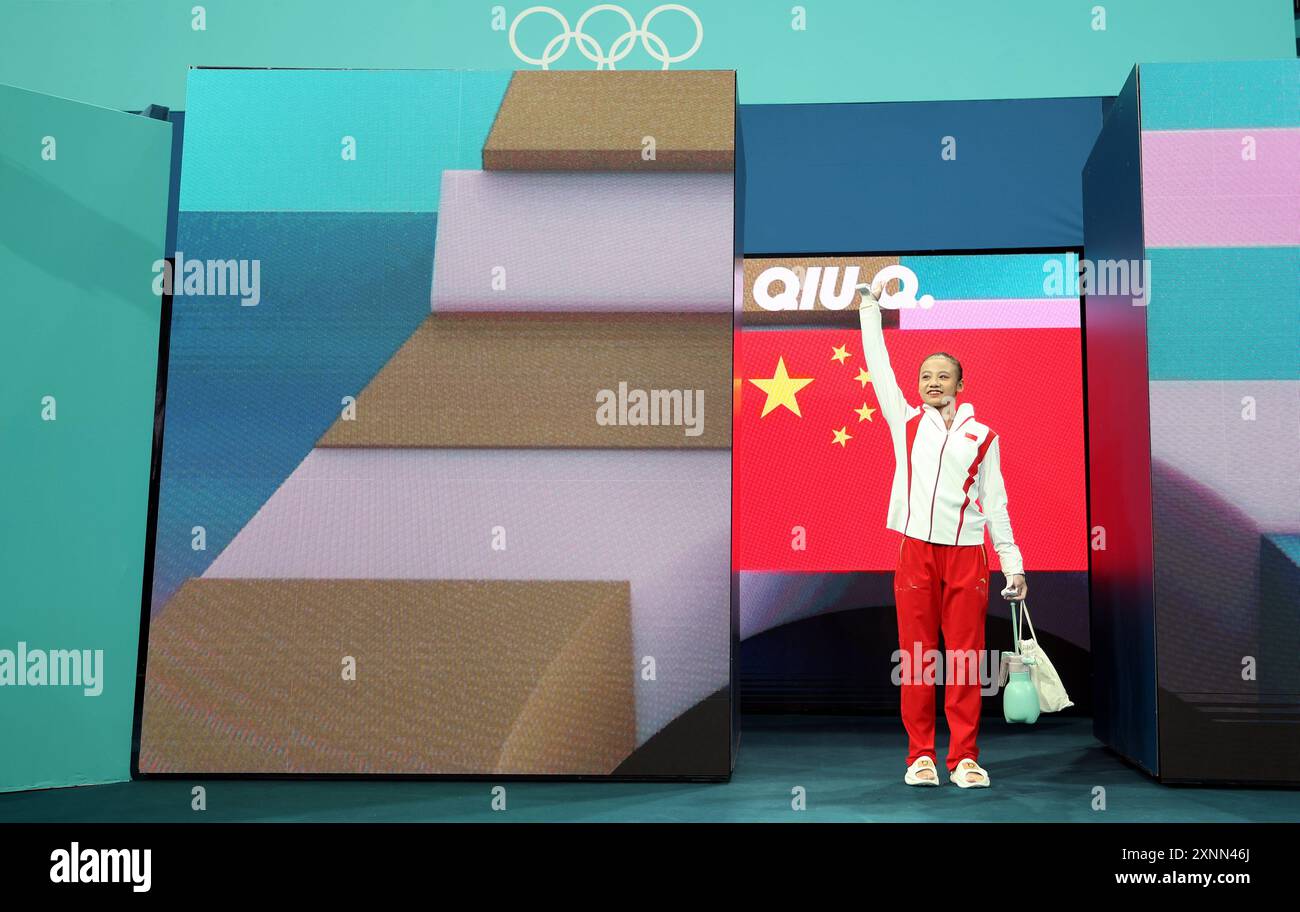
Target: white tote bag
x,y
1051,692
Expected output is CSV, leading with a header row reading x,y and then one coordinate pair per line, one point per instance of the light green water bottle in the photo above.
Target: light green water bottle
x,y
1020,696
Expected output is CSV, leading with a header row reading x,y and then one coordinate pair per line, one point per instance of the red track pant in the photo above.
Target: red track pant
x,y
941,587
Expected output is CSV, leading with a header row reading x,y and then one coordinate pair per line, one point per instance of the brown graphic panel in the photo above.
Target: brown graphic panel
x,y
600,121
532,380
452,676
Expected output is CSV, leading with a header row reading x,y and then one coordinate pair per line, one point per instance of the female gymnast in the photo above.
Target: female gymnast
x,y
947,487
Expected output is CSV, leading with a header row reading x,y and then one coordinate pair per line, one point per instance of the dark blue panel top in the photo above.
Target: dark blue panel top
x,y
811,169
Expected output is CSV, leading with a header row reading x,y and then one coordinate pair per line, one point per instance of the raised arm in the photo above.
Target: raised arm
x,y
993,498
893,404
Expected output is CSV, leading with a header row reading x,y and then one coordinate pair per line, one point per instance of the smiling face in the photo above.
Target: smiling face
x,y
940,377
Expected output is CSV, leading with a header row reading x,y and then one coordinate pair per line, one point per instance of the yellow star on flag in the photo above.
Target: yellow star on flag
x,y
840,353
780,389
840,436
864,413
863,377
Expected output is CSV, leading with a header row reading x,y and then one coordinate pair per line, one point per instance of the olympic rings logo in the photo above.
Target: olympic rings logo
x,y
622,46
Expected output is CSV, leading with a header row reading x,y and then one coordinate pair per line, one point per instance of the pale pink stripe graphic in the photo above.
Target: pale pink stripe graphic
x,y
1198,191
584,242
993,313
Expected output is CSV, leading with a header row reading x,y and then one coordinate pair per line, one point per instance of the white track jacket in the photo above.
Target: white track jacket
x,y
942,476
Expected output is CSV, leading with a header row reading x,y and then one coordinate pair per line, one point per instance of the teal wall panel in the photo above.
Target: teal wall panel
x,y
78,322
129,54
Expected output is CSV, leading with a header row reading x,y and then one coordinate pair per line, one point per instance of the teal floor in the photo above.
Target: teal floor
x,y
849,768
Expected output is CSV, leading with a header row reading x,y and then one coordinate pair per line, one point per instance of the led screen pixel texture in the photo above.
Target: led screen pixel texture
x,y
393,535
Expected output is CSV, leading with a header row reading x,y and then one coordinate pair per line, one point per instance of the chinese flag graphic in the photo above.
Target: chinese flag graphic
x,y
814,459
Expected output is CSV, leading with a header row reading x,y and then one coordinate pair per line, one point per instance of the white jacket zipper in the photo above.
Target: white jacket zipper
x,y
937,472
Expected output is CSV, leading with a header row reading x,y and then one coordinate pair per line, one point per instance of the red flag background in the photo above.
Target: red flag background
x,y
1026,384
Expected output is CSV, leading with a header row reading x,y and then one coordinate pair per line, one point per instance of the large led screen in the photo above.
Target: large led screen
x,y
445,476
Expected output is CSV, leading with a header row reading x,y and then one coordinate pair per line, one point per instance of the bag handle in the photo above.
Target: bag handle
x,y
1024,609
1015,622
